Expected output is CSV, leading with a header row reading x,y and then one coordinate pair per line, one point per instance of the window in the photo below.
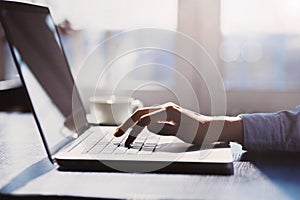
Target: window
x,y
260,44
87,29
255,44
259,54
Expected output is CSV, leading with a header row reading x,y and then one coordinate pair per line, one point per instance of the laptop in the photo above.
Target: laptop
x,y
70,141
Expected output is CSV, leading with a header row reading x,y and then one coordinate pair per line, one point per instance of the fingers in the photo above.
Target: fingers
x,y
132,120
162,120
144,121
161,128
133,134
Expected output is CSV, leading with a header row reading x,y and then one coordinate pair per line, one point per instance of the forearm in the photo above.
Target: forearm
x,y
232,129
263,131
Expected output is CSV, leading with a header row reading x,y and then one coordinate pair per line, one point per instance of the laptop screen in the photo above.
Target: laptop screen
x,y
37,50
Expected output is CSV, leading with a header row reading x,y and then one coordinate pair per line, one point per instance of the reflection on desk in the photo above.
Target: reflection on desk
x,y
25,170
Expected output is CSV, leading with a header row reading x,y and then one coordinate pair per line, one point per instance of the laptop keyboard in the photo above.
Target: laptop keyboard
x,y
106,143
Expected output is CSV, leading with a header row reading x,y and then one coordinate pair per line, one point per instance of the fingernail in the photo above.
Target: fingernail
x,y
118,133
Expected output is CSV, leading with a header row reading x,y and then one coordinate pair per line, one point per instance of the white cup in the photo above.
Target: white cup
x,y
113,110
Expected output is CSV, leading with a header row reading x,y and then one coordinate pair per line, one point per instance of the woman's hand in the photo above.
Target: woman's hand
x,y
171,119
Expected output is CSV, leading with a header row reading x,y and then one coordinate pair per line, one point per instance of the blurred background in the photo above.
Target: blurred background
x,y
254,43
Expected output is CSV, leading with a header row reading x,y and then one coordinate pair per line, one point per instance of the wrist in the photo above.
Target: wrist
x,y
233,130
232,127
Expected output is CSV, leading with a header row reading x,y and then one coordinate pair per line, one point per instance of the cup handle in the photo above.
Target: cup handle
x,y
136,104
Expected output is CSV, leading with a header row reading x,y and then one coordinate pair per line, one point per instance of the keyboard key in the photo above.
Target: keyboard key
x,y
140,140
90,142
152,141
146,150
136,146
150,145
132,151
107,138
85,151
96,149
118,140
120,150
109,149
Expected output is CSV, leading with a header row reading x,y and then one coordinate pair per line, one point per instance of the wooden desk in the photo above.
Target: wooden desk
x,y
25,170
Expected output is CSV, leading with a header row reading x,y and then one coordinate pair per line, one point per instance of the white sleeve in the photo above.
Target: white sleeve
x,y
272,131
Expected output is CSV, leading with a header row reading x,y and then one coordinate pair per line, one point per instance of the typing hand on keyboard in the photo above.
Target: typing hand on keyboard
x,y
167,119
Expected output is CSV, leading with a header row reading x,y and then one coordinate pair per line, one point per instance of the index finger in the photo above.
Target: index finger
x,y
145,120
133,119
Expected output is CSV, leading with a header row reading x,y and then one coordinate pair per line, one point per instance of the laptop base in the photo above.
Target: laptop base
x,y
138,166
